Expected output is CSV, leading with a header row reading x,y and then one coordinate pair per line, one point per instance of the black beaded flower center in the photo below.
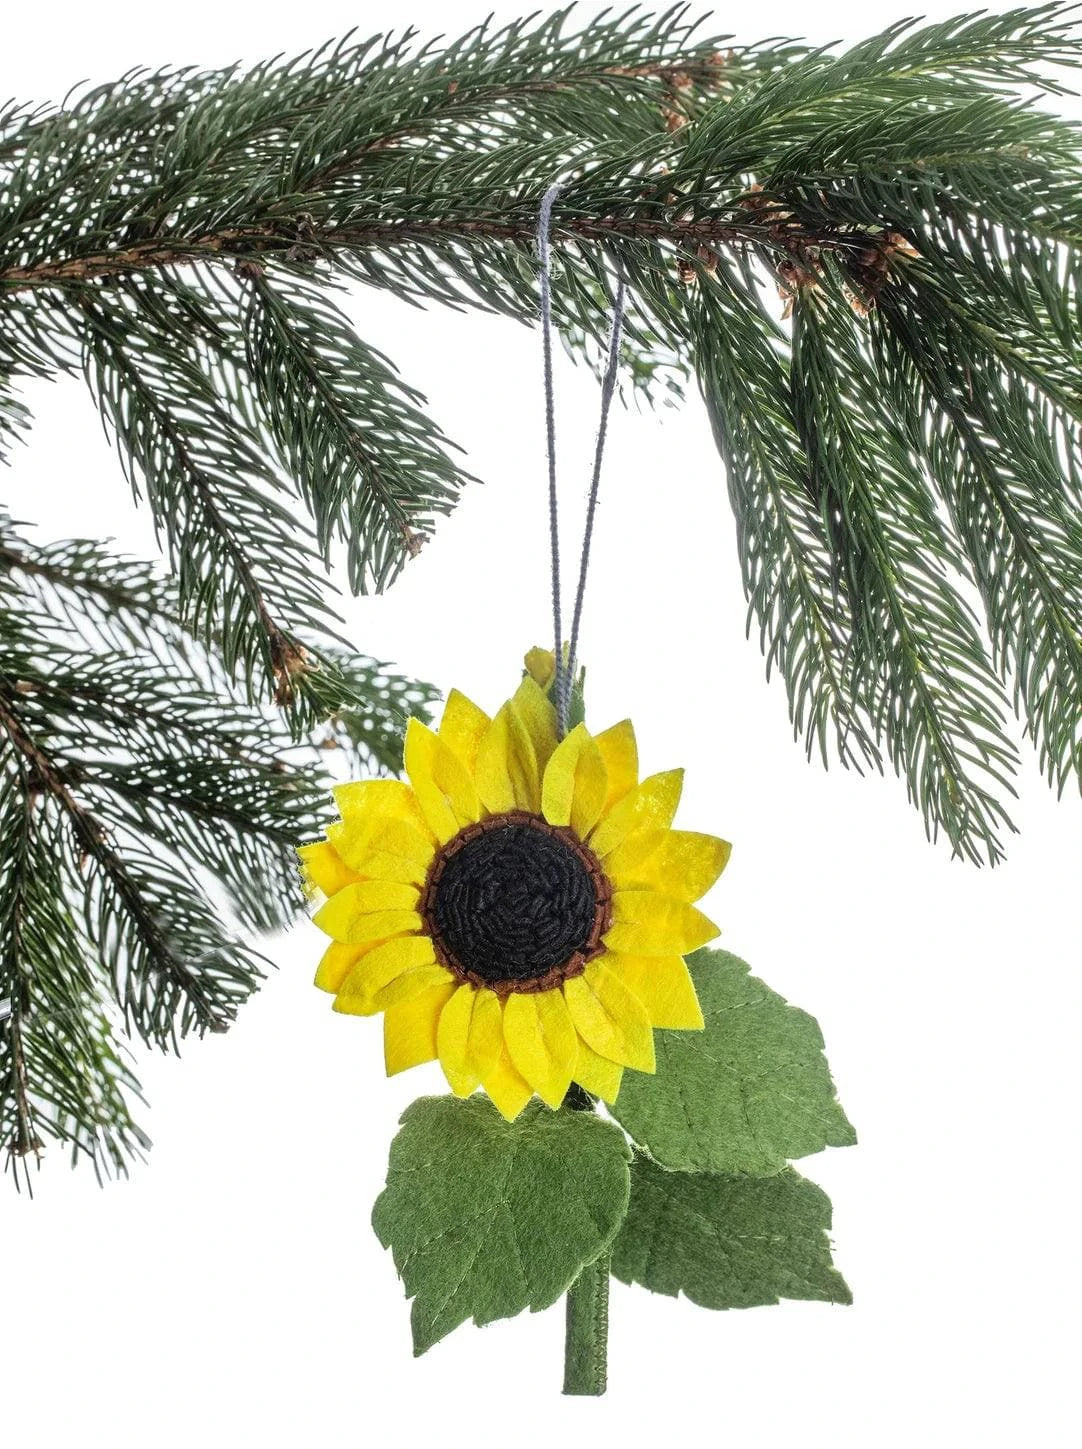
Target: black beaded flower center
x,y
516,904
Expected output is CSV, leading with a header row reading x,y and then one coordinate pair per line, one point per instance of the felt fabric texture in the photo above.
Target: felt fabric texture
x,y
335,965
323,869
409,1029
586,1331
600,1076
484,1042
445,790
576,783
610,1018
508,771
537,715
470,1038
486,1218
506,1087
679,863
364,800
620,756
341,961
541,666
403,988
452,1041
727,1242
369,911
463,727
389,973
648,924
542,1042
649,806
745,1095
664,986
383,847
536,1028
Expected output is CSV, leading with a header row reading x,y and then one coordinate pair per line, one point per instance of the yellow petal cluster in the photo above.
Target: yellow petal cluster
x,y
514,1041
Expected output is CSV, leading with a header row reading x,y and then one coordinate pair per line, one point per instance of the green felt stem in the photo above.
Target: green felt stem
x,y
587,1334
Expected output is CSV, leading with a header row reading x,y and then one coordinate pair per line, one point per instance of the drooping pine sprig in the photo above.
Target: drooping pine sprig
x,y
138,790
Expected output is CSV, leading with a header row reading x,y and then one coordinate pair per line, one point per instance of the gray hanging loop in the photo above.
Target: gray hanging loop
x,y
565,671
544,230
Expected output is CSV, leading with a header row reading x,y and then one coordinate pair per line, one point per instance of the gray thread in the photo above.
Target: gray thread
x,y
608,387
544,228
564,675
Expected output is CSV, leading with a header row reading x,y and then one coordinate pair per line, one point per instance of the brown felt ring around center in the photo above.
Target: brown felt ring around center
x,y
576,964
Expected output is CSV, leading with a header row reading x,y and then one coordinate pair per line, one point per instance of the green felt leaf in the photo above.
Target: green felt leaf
x,y
727,1242
486,1217
747,1093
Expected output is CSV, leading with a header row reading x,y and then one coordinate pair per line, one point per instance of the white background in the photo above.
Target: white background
x,y
232,1291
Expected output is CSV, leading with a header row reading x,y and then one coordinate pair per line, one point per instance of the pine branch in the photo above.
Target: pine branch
x,y
140,792
137,911
702,171
372,469
242,560
14,419
1020,530
918,667
62,1074
788,568
899,426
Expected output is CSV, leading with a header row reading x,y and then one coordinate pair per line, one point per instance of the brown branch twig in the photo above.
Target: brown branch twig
x,y
241,244
93,839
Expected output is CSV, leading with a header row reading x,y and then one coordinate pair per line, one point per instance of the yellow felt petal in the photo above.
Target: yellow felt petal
x,y
649,806
558,785
369,910
383,847
463,726
610,1018
349,1003
505,1085
361,799
355,1001
538,715
664,986
470,1038
323,868
508,775
382,865
620,755
486,1033
680,863
336,964
453,1037
380,965
541,1039
409,1030
541,666
410,984
597,1074
575,784
645,923
380,926
443,786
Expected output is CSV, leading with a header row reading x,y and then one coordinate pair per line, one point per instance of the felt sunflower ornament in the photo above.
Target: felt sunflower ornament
x,y
624,1103
520,909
